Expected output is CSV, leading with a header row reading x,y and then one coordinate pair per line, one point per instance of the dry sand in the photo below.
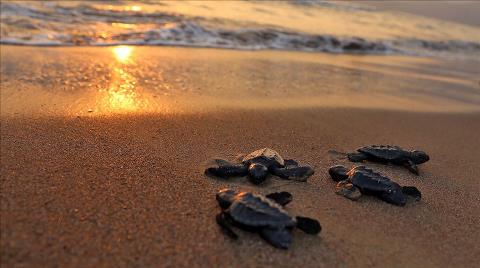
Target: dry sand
x,y
128,189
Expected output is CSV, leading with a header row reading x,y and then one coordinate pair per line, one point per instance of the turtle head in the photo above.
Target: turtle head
x,y
419,157
394,196
225,197
257,173
338,173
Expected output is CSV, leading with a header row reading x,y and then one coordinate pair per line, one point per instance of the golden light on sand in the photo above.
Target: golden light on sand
x,y
122,53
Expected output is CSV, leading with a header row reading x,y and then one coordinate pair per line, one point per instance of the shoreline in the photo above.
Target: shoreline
x,y
123,80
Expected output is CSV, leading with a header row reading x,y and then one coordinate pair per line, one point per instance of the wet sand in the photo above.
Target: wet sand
x,y
72,81
127,189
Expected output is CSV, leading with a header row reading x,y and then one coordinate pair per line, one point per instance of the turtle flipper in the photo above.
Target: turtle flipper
x,y
412,191
289,163
338,173
224,169
279,238
295,173
282,198
357,157
336,155
308,225
412,167
348,190
224,224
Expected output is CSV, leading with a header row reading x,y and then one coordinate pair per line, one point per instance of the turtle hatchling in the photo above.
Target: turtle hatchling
x,y
390,154
360,180
262,214
258,165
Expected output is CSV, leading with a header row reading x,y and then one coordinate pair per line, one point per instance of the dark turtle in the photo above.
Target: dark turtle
x,y
262,214
361,180
390,154
258,165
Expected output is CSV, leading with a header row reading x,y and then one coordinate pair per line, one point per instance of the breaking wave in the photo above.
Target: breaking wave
x,y
53,24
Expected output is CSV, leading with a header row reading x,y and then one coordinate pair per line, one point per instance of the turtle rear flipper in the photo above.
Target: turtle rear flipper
x,y
348,190
411,166
308,225
279,238
338,173
412,191
357,157
282,198
225,226
296,173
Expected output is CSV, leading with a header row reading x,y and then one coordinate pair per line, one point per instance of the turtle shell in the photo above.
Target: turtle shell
x,y
265,156
370,182
255,210
385,152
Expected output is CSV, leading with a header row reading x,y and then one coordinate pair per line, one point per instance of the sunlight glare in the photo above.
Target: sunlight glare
x,y
122,53
122,94
136,8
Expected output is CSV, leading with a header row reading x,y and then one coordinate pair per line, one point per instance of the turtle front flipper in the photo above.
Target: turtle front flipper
x,y
308,225
282,198
279,238
225,226
224,169
295,173
357,157
412,167
412,191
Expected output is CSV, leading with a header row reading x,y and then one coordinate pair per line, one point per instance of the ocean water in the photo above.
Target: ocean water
x,y
319,26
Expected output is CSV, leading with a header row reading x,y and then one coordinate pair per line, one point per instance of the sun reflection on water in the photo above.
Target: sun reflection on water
x,y
136,8
123,93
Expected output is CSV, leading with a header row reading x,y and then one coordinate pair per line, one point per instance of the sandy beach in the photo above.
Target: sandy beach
x,y
103,166
129,190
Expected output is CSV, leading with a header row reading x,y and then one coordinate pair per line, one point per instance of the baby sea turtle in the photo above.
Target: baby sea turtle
x,y
390,154
258,165
262,214
361,180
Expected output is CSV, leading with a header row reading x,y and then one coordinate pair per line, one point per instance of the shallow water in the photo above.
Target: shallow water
x,y
338,27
